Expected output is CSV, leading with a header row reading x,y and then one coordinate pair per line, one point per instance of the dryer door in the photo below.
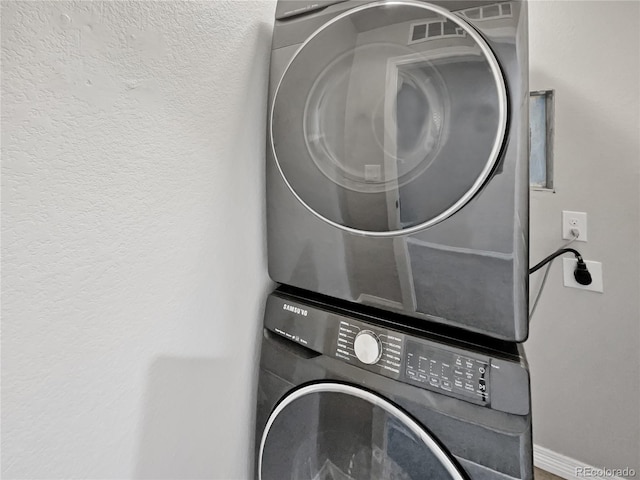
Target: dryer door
x,y
331,431
389,118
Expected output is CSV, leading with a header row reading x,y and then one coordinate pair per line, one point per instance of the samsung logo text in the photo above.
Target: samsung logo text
x,y
296,310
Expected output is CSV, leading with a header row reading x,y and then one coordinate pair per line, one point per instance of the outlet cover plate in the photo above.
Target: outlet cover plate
x,y
574,220
595,269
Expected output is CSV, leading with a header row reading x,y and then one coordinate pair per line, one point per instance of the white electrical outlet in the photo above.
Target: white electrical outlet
x,y
574,220
595,269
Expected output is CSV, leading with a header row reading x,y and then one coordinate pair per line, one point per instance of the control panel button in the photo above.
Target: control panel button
x,y
367,347
433,367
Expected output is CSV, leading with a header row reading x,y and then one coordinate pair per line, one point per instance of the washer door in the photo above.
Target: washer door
x,y
331,431
389,118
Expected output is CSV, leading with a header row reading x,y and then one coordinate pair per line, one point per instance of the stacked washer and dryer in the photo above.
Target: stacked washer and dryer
x,y
397,219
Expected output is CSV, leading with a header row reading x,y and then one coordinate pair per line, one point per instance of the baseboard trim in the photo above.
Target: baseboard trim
x,y
564,466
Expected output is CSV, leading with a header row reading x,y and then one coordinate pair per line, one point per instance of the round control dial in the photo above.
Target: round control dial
x,y
367,347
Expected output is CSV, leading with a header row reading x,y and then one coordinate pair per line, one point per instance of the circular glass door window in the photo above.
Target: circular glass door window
x,y
331,431
389,118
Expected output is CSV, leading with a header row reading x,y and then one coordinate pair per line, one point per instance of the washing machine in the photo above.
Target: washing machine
x,y
397,158
350,394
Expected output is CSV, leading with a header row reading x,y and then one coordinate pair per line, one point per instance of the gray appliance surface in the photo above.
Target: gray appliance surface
x,y
353,394
397,159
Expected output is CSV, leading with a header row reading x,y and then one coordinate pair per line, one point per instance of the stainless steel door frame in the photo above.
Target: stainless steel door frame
x,y
329,387
488,165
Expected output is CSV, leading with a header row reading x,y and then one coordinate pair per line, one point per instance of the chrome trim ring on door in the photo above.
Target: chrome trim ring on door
x,y
495,151
377,401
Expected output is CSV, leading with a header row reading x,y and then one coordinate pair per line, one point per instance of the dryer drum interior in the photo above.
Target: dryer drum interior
x,y
364,118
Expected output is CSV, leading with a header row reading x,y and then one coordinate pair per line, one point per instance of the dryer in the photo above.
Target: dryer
x,y
397,159
348,394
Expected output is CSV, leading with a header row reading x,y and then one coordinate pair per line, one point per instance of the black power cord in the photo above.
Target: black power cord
x,y
581,273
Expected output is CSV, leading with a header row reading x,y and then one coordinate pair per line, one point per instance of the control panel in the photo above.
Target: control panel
x,y
446,370
368,346
415,361
497,382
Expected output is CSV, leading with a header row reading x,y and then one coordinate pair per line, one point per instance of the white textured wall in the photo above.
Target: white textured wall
x,y
584,347
132,236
